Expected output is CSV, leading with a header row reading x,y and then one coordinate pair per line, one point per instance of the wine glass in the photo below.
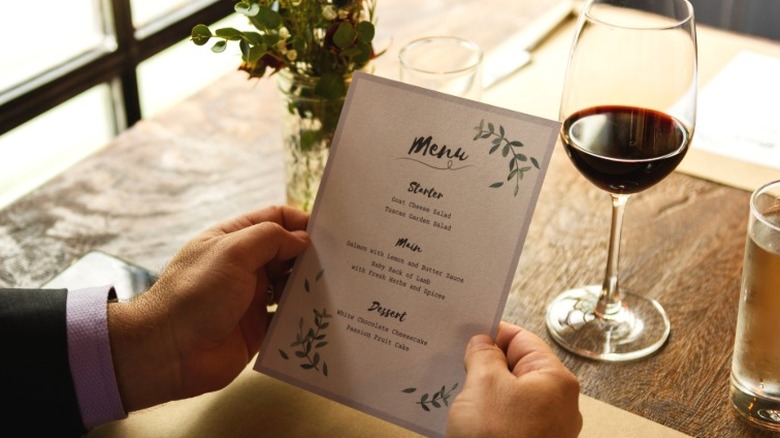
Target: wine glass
x,y
628,110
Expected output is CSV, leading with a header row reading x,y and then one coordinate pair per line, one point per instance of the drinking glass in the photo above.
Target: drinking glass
x,y
627,112
448,64
755,369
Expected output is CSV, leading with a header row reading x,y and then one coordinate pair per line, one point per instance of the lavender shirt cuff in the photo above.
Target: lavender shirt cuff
x,y
89,351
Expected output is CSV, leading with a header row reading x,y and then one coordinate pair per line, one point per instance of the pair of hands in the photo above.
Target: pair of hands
x,y
204,320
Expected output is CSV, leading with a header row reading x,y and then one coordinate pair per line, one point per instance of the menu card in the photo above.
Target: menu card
x,y
416,234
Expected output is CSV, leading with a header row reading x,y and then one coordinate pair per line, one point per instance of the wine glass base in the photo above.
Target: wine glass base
x,y
637,330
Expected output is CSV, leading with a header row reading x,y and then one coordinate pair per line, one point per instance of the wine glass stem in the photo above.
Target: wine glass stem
x,y
610,300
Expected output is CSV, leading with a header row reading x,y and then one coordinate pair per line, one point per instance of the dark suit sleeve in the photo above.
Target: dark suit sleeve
x,y
37,385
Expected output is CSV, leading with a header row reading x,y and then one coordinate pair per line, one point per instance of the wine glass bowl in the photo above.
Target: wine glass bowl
x,y
628,112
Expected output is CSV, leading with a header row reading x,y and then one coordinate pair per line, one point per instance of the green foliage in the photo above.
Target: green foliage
x,y
509,148
437,399
328,39
310,339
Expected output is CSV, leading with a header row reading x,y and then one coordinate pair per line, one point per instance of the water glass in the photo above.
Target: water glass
x,y
447,64
755,370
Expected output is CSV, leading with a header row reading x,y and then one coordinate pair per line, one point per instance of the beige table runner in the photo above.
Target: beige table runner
x,y
255,405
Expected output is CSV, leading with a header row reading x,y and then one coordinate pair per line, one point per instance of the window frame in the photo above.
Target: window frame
x,y
115,66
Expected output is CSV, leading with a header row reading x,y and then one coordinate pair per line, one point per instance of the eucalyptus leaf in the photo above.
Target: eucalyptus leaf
x,y
244,46
229,33
253,38
284,355
409,390
268,18
201,34
345,35
248,9
366,31
219,46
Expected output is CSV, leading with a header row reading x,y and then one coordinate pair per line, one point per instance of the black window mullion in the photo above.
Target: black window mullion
x,y
62,83
51,91
127,44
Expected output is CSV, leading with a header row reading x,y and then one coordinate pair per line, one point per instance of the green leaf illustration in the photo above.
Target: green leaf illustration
x,y
437,399
508,150
309,339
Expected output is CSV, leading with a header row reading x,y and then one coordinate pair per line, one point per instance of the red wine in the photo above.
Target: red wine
x,y
624,149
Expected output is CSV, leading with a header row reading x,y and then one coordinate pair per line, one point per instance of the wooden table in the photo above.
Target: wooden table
x,y
218,154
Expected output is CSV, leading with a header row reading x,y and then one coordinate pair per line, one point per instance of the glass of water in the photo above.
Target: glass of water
x,y
755,370
447,64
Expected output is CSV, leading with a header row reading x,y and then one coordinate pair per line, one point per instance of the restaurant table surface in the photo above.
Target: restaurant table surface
x,y
218,154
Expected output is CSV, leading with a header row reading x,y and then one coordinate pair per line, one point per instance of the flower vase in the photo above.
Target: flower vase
x,y
308,125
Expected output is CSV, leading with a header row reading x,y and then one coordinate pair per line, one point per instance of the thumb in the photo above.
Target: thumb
x,y
484,357
256,245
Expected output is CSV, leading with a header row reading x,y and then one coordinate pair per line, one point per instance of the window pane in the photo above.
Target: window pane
x,y
183,69
45,33
146,11
48,144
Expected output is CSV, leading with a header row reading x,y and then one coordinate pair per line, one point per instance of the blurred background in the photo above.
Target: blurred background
x,y
73,74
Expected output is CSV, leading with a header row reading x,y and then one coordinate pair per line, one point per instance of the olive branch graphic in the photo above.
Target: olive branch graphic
x,y
310,339
509,148
436,400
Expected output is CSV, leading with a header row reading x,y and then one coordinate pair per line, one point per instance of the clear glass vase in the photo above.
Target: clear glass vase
x,y
308,124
